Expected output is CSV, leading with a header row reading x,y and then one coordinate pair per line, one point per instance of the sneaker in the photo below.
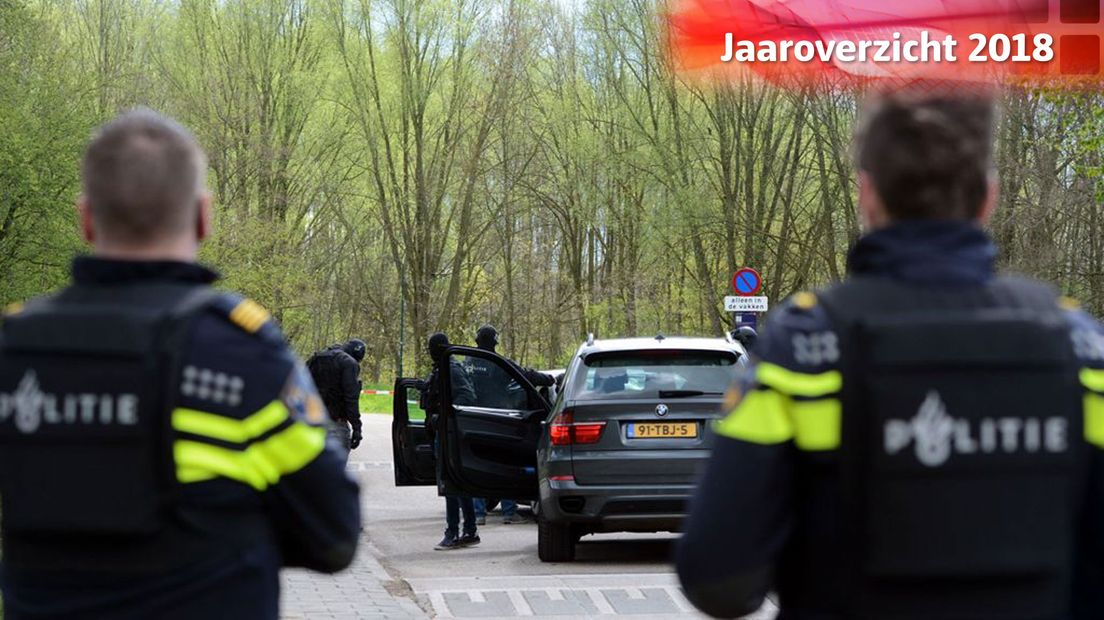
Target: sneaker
x,y
481,520
468,540
449,542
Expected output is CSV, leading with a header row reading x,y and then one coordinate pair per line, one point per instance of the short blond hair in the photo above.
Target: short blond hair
x,y
142,176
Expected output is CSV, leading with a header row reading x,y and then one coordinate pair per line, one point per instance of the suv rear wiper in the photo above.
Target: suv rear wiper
x,y
686,393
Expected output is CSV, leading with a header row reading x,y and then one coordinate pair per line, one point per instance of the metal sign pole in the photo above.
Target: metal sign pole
x,y
402,321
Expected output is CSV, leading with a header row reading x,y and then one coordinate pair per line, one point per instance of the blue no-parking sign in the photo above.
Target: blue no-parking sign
x,y
747,304
746,282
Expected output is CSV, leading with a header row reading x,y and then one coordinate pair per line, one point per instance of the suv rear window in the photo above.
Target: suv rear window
x,y
644,374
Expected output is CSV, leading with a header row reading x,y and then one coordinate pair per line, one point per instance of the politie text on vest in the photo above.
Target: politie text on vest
x,y
935,434
32,407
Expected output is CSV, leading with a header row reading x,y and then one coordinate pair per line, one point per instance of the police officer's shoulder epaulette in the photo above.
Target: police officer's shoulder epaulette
x,y
798,335
1068,303
804,300
13,309
246,315
802,310
24,308
249,315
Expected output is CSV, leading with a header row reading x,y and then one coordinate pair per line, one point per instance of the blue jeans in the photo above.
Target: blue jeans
x,y
342,434
453,505
509,507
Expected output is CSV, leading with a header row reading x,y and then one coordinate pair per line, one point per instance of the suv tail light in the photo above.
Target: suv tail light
x,y
564,431
560,429
588,432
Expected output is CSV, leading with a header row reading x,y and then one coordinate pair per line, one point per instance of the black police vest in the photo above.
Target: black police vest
x,y
961,450
87,379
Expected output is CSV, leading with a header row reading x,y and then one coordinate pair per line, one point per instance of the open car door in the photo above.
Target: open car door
x,y
492,420
411,446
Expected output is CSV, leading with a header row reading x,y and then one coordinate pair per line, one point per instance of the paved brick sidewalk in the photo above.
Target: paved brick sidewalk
x,y
363,591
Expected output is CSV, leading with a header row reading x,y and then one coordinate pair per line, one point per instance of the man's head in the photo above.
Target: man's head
x,y
355,348
143,193
926,156
436,346
486,337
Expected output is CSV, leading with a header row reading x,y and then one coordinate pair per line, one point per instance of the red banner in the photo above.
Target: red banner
x,y
804,43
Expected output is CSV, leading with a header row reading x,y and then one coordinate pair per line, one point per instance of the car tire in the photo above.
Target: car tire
x,y
555,541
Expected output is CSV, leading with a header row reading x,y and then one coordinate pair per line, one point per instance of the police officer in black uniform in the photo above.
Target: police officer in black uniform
x,y
162,453
924,439
336,372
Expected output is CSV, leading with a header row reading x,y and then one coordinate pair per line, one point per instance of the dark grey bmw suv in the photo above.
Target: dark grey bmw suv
x,y
617,450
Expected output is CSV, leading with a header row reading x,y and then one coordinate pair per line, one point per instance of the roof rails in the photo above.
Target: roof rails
x,y
590,339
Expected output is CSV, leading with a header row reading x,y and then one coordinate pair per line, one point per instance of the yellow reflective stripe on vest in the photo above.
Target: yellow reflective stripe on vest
x,y
767,417
259,465
1093,379
197,461
1094,419
817,423
229,429
290,450
794,383
760,418
192,474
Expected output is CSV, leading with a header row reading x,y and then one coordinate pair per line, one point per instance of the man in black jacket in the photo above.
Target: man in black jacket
x,y
336,372
164,453
462,394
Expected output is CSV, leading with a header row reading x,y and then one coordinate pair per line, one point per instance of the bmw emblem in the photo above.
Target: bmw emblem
x,y
661,410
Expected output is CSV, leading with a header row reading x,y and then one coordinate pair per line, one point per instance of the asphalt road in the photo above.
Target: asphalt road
x,y
618,575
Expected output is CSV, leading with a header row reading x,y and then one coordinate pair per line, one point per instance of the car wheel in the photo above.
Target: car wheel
x,y
555,541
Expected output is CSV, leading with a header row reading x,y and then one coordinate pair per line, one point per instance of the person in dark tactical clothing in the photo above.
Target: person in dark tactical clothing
x,y
486,338
462,394
162,452
336,372
494,388
924,440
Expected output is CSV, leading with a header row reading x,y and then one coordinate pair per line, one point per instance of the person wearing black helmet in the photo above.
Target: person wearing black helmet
x,y
336,372
462,394
486,337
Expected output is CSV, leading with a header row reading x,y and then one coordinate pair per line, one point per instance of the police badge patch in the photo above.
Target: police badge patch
x,y
301,397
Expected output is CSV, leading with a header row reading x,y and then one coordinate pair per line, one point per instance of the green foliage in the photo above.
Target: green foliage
x,y
42,126
376,403
389,168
